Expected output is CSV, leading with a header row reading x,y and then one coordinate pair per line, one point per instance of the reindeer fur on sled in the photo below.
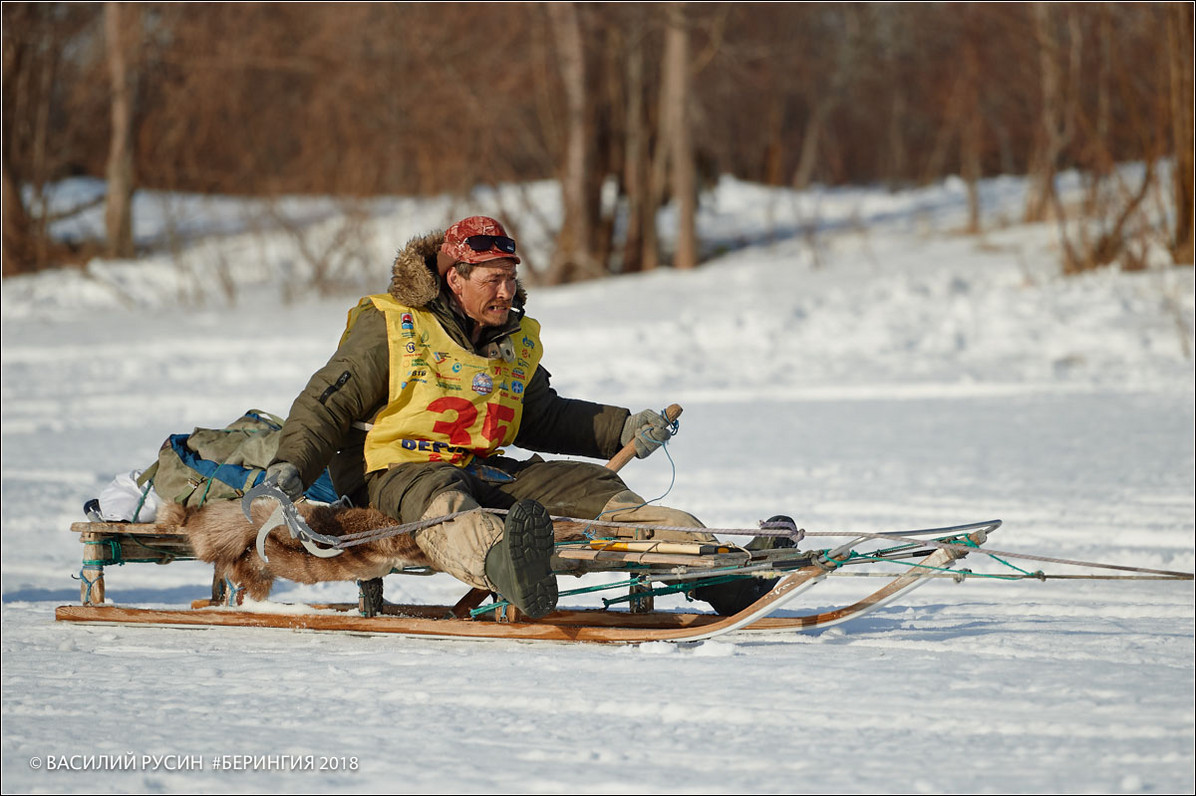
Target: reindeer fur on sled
x,y
220,535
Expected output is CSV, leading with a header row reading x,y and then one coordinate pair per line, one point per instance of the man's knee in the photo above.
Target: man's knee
x,y
459,545
628,507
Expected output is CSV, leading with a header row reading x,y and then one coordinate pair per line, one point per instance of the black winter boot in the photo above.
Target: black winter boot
x,y
732,597
520,564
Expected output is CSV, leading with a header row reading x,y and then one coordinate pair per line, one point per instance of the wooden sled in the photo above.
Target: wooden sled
x,y
106,544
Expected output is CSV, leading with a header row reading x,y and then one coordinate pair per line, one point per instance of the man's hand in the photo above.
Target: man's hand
x,y
649,429
285,476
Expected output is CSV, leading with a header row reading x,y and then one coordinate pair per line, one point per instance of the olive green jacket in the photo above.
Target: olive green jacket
x,y
353,387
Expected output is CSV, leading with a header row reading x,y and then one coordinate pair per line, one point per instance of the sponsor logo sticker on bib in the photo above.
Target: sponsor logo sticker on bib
x,y
483,384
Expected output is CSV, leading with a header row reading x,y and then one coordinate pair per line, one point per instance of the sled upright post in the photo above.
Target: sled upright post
x,y
115,543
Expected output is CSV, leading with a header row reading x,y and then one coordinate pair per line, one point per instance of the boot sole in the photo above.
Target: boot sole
x,y
530,539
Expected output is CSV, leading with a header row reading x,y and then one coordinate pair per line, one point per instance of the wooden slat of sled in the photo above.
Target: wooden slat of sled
x,y
128,528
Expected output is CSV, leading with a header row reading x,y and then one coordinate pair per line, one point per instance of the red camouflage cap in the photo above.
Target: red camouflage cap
x,y
455,250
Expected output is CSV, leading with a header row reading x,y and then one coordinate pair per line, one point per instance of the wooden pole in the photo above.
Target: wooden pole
x,y
640,604
621,458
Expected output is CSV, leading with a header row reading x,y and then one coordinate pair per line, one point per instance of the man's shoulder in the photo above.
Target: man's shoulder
x,y
384,302
529,324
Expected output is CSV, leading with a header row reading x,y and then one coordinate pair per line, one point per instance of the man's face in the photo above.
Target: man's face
x,y
487,294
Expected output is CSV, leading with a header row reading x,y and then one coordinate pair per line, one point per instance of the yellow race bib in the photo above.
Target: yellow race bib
x,y
446,404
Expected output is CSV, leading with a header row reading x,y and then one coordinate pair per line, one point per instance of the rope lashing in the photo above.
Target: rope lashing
x,y
114,557
232,592
91,582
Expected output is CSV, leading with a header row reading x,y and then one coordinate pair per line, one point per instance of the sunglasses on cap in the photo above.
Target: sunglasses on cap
x,y
482,243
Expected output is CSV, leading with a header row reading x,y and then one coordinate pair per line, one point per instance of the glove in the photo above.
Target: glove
x,y
648,429
285,476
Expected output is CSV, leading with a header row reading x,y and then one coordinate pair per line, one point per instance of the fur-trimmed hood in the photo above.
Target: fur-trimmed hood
x,y
414,280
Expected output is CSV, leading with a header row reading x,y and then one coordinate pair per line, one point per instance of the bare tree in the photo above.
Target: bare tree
x,y
641,210
1059,61
1180,33
574,254
17,246
122,30
357,99
830,89
677,134
48,119
971,126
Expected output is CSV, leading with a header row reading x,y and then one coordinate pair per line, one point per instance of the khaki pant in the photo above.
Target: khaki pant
x,y
411,492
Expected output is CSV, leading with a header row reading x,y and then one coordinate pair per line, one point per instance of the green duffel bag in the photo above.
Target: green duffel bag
x,y
221,463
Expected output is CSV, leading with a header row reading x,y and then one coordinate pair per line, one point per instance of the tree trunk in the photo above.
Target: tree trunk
x,y
898,150
676,80
18,254
970,134
121,27
774,152
1040,189
1180,36
573,256
635,157
809,142
1056,119
1104,79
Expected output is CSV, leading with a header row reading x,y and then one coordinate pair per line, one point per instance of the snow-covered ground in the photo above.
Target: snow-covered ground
x,y
846,357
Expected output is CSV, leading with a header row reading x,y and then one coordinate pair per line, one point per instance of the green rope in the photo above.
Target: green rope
x,y
1039,574
485,609
673,589
603,587
144,494
114,554
854,556
204,497
90,583
889,551
637,580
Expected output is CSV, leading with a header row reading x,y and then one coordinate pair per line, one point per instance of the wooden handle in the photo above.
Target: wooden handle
x,y
628,453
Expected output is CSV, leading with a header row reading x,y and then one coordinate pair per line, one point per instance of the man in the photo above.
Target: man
x,y
428,382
